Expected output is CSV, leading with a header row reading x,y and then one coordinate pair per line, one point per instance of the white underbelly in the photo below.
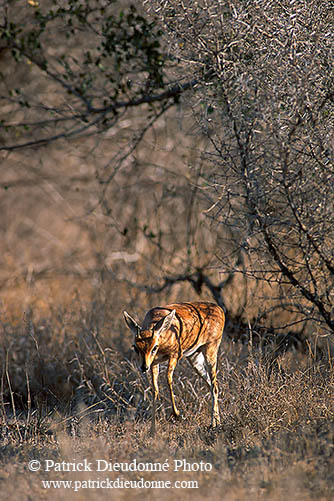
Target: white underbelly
x,y
191,351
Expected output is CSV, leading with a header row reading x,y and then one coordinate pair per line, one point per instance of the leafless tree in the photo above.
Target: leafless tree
x,y
247,218
265,100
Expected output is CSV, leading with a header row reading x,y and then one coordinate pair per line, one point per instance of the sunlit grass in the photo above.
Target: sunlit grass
x,y
71,391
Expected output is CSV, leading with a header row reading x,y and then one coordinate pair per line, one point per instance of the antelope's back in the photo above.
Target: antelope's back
x,y
195,320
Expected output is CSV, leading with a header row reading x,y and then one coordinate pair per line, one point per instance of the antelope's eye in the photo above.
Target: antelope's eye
x,y
136,349
154,349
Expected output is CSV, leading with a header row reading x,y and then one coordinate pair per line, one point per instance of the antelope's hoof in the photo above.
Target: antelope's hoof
x,y
215,426
176,417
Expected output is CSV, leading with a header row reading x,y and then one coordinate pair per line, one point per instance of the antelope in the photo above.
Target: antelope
x,y
168,333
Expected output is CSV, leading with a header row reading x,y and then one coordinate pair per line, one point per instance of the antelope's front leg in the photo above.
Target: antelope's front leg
x,y
171,366
155,387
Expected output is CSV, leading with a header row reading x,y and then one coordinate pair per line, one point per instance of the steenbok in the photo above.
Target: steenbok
x,y
168,333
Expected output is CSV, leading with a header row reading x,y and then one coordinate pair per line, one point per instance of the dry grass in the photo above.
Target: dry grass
x,y
70,391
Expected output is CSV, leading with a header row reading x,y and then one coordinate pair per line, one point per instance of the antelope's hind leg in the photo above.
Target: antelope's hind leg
x,y
198,363
210,355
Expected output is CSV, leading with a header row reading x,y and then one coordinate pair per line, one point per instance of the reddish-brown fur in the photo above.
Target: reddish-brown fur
x,y
168,333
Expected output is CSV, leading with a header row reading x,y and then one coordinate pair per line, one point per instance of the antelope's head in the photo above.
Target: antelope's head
x,y
146,341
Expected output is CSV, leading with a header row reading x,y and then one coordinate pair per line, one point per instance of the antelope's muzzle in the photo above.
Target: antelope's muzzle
x,y
144,368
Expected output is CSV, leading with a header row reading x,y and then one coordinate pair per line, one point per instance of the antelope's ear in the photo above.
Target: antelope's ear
x,y
165,323
131,323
